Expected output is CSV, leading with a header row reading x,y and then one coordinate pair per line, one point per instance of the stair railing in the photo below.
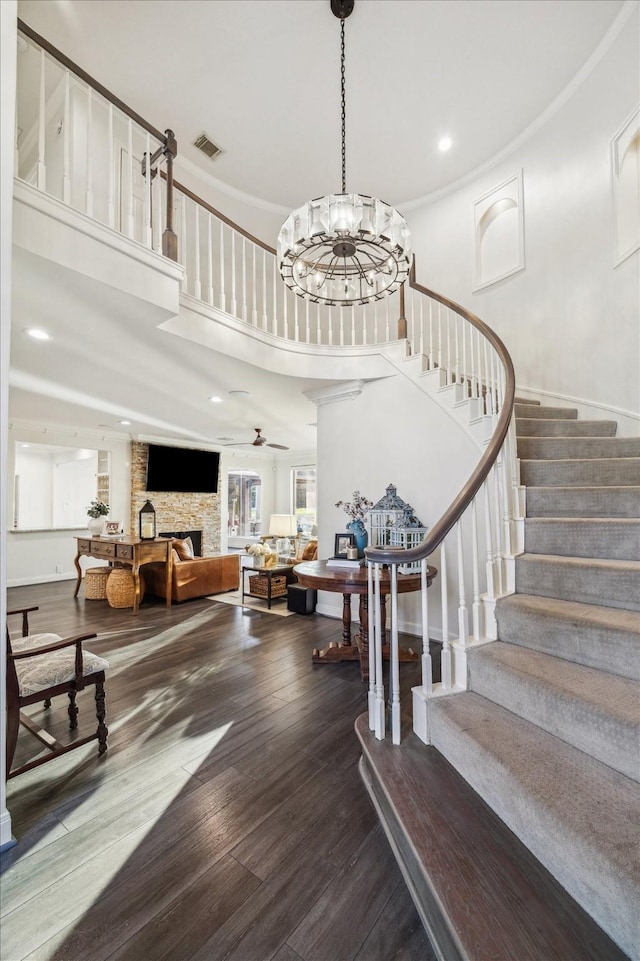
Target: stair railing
x,y
77,142
476,538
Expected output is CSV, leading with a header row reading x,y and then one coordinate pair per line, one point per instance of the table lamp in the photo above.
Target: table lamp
x,y
283,527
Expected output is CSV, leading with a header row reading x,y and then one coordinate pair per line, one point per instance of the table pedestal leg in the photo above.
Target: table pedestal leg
x,y
345,650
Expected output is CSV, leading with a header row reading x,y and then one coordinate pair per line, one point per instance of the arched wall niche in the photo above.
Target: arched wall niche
x,y
625,168
498,233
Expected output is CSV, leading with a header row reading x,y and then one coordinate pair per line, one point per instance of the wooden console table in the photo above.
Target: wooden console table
x,y
128,551
317,575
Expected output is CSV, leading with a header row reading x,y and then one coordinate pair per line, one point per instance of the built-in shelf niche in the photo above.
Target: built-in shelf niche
x,y
499,233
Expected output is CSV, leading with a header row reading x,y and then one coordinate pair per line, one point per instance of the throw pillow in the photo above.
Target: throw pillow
x,y
184,549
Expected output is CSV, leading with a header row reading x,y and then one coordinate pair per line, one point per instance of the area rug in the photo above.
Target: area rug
x,y
251,603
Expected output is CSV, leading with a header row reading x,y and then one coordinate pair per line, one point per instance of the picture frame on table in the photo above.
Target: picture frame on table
x,y
343,541
111,528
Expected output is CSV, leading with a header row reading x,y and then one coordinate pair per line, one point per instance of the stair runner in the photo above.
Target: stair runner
x,y
548,734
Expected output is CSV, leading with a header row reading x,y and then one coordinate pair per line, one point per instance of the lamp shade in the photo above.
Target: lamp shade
x,y
283,525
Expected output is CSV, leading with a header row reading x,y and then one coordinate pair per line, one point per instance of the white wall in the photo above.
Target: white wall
x,y
570,318
35,557
8,37
392,433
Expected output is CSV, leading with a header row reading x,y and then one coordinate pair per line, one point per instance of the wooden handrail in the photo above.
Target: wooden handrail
x,y
88,79
458,506
216,213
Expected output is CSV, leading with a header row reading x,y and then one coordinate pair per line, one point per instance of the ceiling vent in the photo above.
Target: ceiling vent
x,y
207,146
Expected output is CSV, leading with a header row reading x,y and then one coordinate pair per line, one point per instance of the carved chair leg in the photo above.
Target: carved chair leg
x,y
72,711
101,712
47,703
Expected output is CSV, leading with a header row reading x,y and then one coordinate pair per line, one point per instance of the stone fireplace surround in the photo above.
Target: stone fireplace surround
x,y
184,513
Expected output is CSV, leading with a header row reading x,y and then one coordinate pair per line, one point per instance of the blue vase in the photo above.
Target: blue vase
x,y
359,531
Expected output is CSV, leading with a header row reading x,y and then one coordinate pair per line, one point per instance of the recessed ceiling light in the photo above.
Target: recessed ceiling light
x,y
24,445
216,400
37,333
239,393
445,143
125,422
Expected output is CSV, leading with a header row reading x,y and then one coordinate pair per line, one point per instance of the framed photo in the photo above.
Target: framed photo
x,y
342,542
112,527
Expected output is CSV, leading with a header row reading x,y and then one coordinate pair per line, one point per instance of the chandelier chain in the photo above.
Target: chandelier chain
x,y
343,109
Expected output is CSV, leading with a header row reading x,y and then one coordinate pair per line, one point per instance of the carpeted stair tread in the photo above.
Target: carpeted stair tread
x,y
481,894
591,710
554,448
617,538
546,413
609,583
525,400
583,501
604,638
539,427
547,791
580,472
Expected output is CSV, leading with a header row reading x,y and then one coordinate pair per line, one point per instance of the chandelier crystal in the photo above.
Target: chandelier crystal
x,y
345,248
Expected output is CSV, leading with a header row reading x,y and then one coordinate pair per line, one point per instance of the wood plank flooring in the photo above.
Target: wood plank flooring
x,y
227,819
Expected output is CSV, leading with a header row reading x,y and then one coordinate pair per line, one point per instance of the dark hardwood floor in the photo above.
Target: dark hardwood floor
x,y
227,819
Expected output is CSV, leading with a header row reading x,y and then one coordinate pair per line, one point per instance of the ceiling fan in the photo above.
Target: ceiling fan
x,y
259,441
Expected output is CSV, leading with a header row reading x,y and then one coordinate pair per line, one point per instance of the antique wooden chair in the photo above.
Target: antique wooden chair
x,y
40,666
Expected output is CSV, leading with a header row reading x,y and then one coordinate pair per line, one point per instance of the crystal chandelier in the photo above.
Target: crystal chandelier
x,y
344,248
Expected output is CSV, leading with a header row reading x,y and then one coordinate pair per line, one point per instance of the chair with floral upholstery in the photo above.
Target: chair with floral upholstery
x,y
39,667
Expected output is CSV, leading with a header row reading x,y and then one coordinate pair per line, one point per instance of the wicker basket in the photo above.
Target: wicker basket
x,y
259,585
121,588
95,583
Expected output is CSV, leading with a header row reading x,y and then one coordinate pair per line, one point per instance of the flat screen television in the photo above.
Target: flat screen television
x,y
182,469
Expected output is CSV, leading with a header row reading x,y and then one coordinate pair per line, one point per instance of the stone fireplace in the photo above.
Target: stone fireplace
x,y
176,513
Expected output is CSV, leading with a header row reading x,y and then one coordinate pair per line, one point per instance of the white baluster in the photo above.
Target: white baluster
x,y
431,363
264,289
318,325
41,167
88,204
275,299
497,513
371,628
254,288
285,318
183,244
111,209
197,284
244,279
234,304
148,239
296,300
476,606
210,295
463,614
422,336
427,666
487,380
386,327
129,201
445,657
66,143
439,335
157,207
491,587
341,328
380,707
457,347
395,658
449,364
307,320
465,373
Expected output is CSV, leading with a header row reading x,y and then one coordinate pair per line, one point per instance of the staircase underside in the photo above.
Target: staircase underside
x,y
481,894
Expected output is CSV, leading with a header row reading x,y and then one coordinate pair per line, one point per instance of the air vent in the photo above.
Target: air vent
x,y
207,146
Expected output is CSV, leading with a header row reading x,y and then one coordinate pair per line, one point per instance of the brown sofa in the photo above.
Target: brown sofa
x,y
193,576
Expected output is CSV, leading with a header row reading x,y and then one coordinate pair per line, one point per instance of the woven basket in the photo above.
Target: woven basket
x,y
95,583
259,584
121,588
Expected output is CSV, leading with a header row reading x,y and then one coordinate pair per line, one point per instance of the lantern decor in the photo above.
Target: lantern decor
x,y
147,522
393,523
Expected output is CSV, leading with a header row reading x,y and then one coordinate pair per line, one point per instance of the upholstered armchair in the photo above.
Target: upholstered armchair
x,y
39,667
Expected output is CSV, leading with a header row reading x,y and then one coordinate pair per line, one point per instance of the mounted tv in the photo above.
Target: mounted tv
x,y
182,469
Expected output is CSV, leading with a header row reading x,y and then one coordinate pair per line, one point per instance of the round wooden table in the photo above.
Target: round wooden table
x,y
317,575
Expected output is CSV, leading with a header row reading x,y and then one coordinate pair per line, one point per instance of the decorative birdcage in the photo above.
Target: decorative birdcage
x,y
384,515
393,523
408,531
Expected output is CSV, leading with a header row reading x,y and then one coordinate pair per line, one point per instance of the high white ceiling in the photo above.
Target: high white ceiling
x,y
261,78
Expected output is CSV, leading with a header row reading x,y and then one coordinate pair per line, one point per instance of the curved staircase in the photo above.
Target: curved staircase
x,y
547,735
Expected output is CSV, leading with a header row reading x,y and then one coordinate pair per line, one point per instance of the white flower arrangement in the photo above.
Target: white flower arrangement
x,y
258,550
